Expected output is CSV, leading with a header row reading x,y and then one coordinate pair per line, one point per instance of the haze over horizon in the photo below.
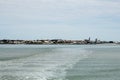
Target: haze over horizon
x,y
60,19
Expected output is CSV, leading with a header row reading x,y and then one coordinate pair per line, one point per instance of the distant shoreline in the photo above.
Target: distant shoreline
x,y
57,42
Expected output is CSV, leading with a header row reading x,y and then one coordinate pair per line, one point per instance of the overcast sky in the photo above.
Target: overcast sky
x,y
61,19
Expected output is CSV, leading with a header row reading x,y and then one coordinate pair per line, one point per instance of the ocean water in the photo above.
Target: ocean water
x,y
59,62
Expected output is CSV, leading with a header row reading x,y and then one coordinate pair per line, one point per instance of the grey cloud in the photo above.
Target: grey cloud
x,y
59,9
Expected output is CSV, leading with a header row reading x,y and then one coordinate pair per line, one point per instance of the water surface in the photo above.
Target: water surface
x,y
59,62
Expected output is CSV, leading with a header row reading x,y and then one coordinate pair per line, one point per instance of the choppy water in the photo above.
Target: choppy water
x,y
59,62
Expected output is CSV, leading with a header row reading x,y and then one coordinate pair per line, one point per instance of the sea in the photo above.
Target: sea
x,y
60,62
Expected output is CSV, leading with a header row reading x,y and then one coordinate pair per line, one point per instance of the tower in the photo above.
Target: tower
x,y
89,39
96,40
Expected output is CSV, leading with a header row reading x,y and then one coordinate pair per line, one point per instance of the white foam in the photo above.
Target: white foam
x,y
50,66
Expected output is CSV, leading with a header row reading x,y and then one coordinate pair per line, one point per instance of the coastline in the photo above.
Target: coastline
x,y
56,42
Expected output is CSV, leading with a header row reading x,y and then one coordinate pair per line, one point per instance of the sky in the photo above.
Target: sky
x,y
60,19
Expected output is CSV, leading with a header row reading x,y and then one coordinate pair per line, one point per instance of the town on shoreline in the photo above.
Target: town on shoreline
x,y
55,41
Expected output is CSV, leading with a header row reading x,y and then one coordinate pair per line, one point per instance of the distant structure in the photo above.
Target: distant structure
x,y
96,40
89,39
